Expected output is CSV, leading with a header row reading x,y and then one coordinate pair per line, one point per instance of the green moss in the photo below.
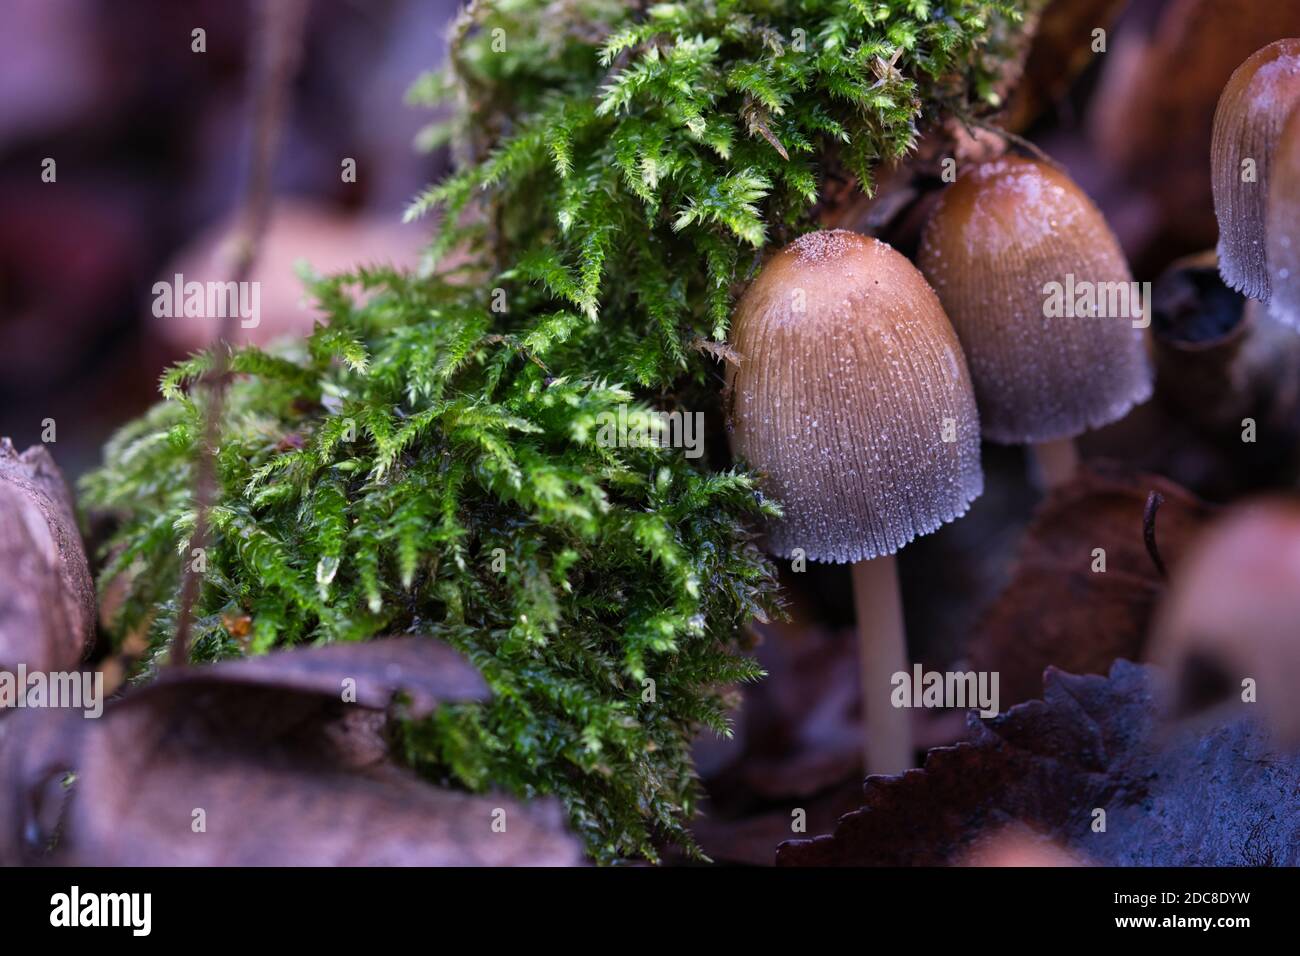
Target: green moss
x,y
426,463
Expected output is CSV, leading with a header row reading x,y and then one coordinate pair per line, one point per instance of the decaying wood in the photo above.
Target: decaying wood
x,y
1219,358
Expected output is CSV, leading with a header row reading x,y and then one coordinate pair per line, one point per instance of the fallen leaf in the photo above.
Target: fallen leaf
x,y
797,746
252,763
427,671
1213,793
1057,610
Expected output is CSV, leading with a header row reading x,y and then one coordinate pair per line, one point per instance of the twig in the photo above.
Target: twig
x,y
719,351
1154,500
1014,138
277,42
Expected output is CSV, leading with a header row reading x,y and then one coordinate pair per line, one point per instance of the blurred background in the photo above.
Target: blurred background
x,y
150,141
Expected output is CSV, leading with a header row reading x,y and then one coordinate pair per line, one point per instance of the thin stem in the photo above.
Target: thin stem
x,y
1055,462
278,40
1154,500
882,653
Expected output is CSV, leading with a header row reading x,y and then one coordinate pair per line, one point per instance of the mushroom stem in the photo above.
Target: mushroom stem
x,y
882,653
1055,462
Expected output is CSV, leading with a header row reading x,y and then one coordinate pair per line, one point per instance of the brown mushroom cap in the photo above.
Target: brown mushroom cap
x,y
1247,125
1233,609
995,240
850,379
1282,225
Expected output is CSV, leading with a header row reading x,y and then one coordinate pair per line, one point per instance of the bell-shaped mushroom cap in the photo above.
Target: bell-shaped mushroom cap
x,y
1282,225
1014,248
1232,612
852,399
1247,125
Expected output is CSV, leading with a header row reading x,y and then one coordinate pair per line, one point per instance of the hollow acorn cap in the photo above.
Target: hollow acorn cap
x,y
1247,126
1282,225
1232,611
1013,249
852,399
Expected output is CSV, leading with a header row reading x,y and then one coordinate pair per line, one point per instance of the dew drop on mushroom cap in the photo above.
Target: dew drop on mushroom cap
x,y
1282,222
852,399
1247,125
995,241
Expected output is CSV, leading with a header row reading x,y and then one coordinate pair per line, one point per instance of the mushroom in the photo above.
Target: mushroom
x,y
1247,125
853,401
1150,133
1282,237
1231,612
1022,260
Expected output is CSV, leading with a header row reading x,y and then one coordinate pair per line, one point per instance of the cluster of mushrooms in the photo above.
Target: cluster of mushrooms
x,y
865,383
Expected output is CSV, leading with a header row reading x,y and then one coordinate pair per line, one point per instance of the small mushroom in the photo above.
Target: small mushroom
x,y
1227,627
1041,297
1149,131
853,401
1019,845
1247,126
1282,225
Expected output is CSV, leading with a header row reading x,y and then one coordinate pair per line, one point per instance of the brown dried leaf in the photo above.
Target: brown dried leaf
x,y
265,749
427,671
1056,610
797,746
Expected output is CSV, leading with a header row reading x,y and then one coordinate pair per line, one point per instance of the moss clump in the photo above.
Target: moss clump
x,y
427,460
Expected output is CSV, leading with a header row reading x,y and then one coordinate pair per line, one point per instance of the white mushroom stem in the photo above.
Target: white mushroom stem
x,y
1055,462
882,653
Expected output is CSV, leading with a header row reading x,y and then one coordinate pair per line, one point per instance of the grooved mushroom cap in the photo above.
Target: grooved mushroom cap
x,y
995,242
1282,222
850,380
1247,125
